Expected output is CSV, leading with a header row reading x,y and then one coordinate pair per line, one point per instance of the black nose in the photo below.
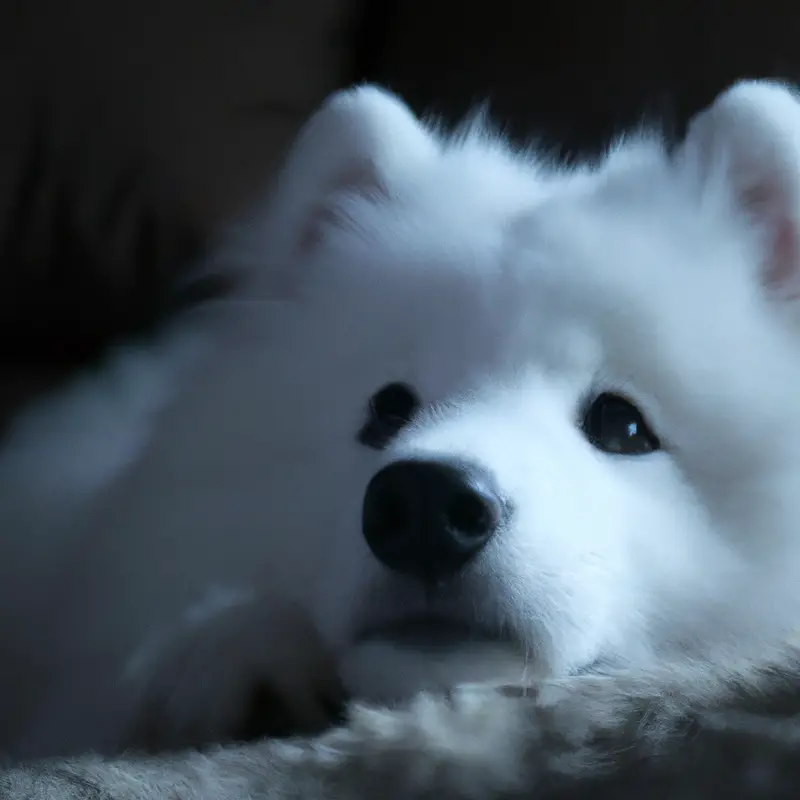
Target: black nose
x,y
427,519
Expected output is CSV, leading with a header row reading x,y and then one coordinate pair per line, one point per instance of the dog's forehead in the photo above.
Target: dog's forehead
x,y
579,252
525,269
549,244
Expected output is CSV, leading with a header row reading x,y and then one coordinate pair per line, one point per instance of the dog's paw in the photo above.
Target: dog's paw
x,y
254,671
470,742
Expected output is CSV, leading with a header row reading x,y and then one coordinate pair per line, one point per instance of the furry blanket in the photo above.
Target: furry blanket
x,y
580,738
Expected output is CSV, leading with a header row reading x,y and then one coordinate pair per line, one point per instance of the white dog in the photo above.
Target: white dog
x,y
470,417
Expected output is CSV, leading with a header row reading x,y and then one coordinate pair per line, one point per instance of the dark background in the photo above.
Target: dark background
x,y
577,72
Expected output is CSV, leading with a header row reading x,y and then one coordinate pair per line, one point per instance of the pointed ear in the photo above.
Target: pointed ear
x,y
358,142
747,143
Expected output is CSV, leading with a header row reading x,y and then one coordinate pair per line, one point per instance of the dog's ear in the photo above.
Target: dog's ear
x,y
357,143
747,146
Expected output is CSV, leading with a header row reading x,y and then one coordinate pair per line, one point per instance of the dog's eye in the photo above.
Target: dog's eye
x,y
614,425
390,409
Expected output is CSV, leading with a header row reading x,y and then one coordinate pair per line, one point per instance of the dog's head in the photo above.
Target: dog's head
x,y
551,409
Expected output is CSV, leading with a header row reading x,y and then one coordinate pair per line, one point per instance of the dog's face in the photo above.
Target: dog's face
x,y
551,409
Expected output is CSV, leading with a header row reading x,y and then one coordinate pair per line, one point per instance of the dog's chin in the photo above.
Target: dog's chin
x,y
391,663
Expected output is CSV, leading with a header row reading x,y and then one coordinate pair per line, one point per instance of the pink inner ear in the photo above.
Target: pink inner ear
x,y
781,270
358,179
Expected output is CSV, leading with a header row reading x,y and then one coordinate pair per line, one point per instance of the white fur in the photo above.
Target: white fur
x,y
147,521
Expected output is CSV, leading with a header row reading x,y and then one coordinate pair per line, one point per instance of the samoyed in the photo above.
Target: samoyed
x,y
469,416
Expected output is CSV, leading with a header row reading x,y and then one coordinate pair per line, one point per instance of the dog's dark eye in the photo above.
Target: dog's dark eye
x,y
390,409
614,425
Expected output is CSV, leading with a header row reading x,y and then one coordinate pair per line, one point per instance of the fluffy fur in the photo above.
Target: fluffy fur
x,y
161,516
577,738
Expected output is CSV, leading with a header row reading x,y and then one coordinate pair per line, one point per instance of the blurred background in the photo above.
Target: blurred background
x,y
130,129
